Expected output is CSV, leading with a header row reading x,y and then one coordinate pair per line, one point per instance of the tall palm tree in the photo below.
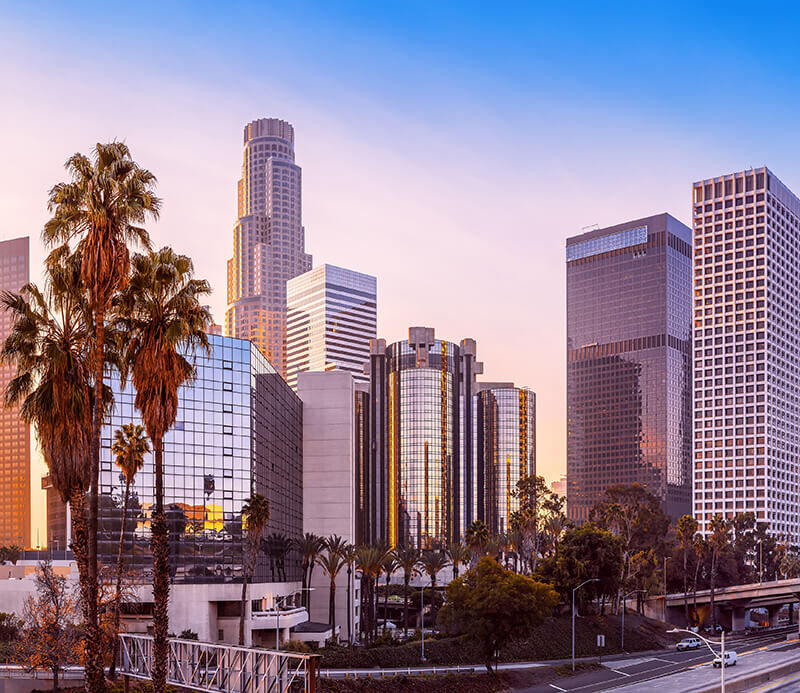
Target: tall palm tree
x,y
433,563
309,546
162,319
388,566
700,546
129,448
407,558
349,557
459,554
101,209
476,537
255,515
687,528
51,347
332,562
368,562
719,539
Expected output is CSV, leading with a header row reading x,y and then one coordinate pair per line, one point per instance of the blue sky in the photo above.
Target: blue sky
x,y
448,148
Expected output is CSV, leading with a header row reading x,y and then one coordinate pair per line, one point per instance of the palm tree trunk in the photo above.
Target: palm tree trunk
x,y
349,606
79,545
95,680
160,548
713,586
386,604
332,606
685,587
243,608
406,580
696,576
118,592
304,586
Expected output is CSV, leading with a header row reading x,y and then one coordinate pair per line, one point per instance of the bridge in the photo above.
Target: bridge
x,y
732,603
218,668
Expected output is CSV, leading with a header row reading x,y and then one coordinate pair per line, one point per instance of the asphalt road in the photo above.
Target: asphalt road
x,y
640,669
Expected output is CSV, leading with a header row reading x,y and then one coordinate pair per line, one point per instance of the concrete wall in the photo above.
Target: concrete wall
x,y
329,478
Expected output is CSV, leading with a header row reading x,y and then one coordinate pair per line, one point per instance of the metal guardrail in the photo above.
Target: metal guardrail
x,y
216,668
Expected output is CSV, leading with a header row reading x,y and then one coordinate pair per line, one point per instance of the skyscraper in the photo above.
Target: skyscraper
x,y
268,239
629,406
747,350
15,437
332,316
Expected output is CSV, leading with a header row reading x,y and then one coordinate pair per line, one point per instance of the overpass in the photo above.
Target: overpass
x,y
732,603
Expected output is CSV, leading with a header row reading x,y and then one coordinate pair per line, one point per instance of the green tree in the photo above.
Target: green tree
x,y
407,558
255,516
162,320
718,540
332,562
687,529
129,448
101,210
309,546
537,504
491,605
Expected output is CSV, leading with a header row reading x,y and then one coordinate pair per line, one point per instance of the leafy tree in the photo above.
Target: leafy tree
x,y
10,627
50,638
162,320
255,516
687,529
332,562
790,565
491,605
101,210
309,545
129,448
407,558
537,504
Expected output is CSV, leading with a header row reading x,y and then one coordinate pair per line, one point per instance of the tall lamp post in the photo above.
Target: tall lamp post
x,y
585,582
708,643
624,600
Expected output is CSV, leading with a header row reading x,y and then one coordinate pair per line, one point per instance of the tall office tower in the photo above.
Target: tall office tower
x,y
332,316
268,239
506,449
629,382
747,350
15,435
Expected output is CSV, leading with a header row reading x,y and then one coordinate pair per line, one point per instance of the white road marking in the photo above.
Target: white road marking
x,y
552,685
617,671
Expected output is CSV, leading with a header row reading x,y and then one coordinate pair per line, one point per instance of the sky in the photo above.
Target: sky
x,y
449,148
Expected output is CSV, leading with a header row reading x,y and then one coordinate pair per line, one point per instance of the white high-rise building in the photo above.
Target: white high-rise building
x,y
331,318
747,350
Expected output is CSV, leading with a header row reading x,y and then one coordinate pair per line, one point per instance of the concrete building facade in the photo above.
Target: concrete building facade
x,y
747,350
332,316
15,434
268,239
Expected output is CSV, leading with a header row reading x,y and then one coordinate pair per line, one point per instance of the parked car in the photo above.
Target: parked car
x,y
689,644
730,660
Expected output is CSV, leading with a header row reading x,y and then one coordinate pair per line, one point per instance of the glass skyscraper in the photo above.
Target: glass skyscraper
x,y
629,383
268,239
332,317
747,350
238,431
15,435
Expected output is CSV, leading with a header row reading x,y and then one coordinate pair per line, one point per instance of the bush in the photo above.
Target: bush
x,y
296,646
462,683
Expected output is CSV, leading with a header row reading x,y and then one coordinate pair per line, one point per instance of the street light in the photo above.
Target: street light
x,y
708,643
624,599
573,615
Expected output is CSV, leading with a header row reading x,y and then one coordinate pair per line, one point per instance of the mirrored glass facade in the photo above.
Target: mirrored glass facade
x,y
629,382
506,420
238,431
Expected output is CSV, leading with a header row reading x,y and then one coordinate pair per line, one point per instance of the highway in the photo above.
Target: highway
x,y
651,667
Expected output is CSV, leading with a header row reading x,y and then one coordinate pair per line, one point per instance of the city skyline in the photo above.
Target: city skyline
x,y
381,130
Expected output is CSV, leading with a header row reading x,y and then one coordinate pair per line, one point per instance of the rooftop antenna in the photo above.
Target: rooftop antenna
x,y
591,226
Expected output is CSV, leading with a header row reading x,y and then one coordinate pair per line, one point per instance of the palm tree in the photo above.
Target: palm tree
x,y
162,319
407,558
129,448
332,562
720,537
459,554
50,345
368,561
255,515
388,566
309,545
349,557
687,528
700,547
476,537
101,210
433,562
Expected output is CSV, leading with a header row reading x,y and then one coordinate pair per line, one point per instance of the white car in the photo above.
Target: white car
x,y
730,660
689,644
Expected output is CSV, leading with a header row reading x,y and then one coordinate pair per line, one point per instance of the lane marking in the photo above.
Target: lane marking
x,y
775,684
557,688
617,671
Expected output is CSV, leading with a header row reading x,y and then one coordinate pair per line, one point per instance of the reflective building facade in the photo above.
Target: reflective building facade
x,y
268,239
629,382
238,431
15,434
332,317
506,448
747,350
